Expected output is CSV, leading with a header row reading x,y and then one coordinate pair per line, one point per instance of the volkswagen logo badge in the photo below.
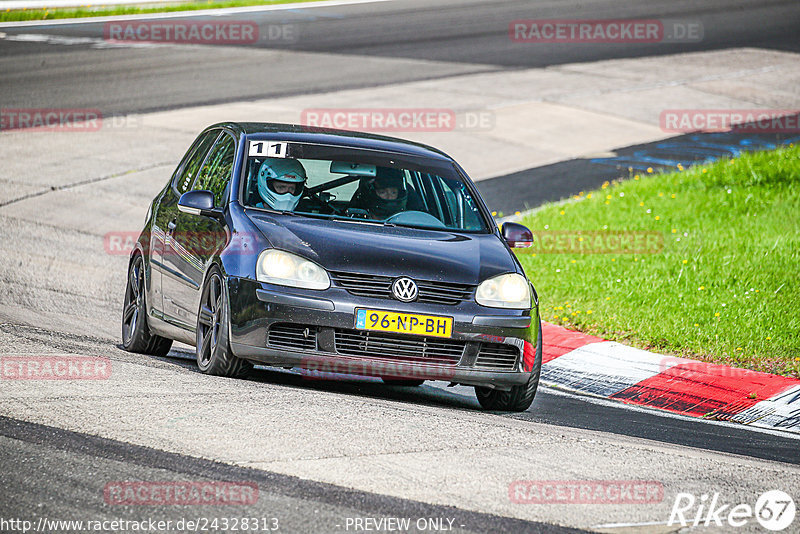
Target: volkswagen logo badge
x,y
404,289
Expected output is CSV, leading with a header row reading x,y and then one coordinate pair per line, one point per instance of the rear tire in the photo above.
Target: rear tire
x,y
212,348
518,398
136,335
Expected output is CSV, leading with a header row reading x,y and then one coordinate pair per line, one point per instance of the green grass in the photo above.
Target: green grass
x,y
98,10
726,286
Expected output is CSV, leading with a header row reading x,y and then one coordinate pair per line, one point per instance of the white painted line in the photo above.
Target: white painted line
x,y
65,40
187,14
55,4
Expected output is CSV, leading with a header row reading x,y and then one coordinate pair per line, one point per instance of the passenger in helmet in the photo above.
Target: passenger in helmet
x,y
280,183
386,194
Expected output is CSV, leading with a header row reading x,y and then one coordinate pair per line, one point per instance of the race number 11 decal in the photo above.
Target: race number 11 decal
x,y
268,149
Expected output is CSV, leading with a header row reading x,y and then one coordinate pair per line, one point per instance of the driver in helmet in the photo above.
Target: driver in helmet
x,y
280,183
386,194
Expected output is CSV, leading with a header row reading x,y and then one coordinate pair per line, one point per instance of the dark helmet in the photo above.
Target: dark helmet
x,y
386,177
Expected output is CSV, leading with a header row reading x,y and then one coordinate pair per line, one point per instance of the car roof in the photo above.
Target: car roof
x,y
312,134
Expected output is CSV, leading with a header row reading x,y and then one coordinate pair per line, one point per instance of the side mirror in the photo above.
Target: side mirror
x,y
199,203
517,236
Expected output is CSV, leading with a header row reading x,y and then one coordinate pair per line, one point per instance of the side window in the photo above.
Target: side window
x,y
461,206
184,181
216,172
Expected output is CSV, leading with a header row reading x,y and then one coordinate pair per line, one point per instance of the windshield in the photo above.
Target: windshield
x,y
333,182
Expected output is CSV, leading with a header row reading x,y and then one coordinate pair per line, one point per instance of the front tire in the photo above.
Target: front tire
x,y
136,336
212,348
518,398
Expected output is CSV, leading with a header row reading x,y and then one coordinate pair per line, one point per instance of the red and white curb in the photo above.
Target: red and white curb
x,y
593,366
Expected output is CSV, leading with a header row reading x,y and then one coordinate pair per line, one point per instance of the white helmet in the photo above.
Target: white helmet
x,y
283,170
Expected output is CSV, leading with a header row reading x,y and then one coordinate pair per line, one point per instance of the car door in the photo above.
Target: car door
x,y
166,220
193,239
165,209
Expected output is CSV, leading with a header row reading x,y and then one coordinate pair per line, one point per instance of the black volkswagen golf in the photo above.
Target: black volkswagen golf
x,y
337,253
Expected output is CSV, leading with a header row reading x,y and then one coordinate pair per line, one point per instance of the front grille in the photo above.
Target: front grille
x,y
367,344
443,292
291,336
497,357
376,286
364,285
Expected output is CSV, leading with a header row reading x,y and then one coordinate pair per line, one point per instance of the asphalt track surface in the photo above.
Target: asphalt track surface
x,y
352,46
530,188
58,470
43,454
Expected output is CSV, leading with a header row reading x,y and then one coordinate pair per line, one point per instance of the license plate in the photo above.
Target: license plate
x,y
404,323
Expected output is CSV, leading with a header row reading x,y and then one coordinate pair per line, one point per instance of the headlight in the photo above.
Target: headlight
x,y
286,269
505,291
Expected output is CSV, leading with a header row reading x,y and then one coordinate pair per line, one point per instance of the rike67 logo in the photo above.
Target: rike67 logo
x,y
774,510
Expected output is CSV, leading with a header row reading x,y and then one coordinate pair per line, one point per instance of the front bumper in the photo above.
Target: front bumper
x,y
315,331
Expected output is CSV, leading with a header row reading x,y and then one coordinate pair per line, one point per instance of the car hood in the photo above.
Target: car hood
x,y
390,251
